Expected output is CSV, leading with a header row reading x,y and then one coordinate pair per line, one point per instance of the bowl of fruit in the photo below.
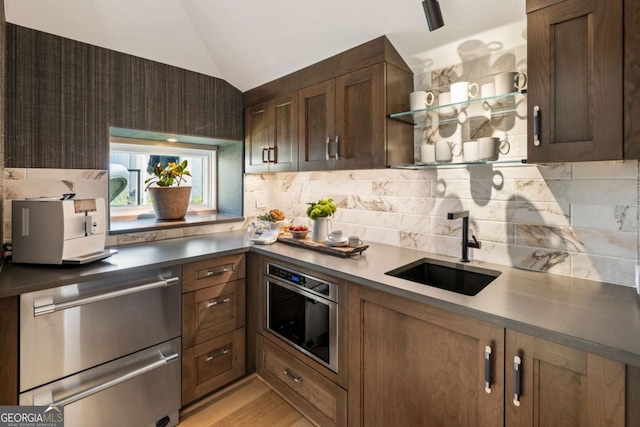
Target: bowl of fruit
x,y
299,231
275,220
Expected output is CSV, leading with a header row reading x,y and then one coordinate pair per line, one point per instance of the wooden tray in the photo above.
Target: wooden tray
x,y
342,251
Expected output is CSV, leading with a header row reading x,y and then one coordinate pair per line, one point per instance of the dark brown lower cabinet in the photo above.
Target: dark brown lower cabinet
x,y
411,364
553,385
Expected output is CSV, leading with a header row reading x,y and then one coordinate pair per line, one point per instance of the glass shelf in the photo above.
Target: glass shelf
x,y
452,164
412,116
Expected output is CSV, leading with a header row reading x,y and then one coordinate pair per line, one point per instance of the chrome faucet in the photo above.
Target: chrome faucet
x,y
466,243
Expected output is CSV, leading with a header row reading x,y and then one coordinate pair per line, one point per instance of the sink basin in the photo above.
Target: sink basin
x,y
459,278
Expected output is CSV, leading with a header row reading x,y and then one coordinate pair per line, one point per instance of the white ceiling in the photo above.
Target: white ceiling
x,y
251,42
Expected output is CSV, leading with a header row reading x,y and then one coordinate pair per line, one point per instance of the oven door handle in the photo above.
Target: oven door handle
x,y
51,307
48,399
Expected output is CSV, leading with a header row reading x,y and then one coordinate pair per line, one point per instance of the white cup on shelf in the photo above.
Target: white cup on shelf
x,y
420,100
462,91
428,153
490,148
511,81
444,98
470,151
445,150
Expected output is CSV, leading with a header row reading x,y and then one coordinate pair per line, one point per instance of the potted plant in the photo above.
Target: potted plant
x,y
169,200
320,213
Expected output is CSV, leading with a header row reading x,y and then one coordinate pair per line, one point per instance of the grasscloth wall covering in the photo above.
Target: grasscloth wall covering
x,y
62,96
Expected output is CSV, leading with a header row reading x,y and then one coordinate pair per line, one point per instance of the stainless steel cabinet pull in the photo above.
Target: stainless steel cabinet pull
x,y
217,355
53,307
337,148
487,369
217,272
216,302
164,360
293,377
517,364
328,142
275,154
536,126
265,150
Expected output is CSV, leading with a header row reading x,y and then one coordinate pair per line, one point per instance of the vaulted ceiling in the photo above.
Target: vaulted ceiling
x,y
250,42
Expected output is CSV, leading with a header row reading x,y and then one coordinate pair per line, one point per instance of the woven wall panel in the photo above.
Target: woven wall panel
x,y
62,96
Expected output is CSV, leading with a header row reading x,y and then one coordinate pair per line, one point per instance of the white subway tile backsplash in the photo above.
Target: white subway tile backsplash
x,y
606,170
606,269
604,217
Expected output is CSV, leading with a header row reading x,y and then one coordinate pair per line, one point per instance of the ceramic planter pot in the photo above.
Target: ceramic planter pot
x,y
170,202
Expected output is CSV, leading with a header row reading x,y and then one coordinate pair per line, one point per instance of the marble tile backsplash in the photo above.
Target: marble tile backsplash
x,y
574,219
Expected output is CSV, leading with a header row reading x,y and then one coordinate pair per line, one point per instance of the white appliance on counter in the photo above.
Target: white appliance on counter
x,y
54,231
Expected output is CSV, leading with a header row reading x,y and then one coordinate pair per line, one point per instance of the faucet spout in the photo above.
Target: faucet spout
x,y
466,243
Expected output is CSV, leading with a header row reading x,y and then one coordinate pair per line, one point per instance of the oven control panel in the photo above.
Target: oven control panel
x,y
301,280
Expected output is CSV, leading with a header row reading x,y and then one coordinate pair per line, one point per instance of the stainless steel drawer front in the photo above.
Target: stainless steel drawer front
x,y
136,390
72,328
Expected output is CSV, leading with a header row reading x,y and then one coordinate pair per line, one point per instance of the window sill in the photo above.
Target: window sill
x,y
153,224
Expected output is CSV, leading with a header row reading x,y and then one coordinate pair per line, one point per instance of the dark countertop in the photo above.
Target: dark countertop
x,y
596,317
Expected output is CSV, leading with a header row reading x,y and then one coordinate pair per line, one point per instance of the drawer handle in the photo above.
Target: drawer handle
x,y
217,272
293,377
39,310
216,302
160,362
217,355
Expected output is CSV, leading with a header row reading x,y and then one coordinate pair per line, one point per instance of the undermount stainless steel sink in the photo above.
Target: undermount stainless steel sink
x,y
460,278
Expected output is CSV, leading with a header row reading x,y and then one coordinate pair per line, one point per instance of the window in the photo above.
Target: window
x,y
132,160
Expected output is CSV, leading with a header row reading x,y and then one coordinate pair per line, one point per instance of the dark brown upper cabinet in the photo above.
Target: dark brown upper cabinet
x,y
341,113
271,135
575,94
342,122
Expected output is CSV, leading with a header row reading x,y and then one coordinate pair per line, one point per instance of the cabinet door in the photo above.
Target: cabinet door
x,y
561,386
256,138
316,121
414,365
360,119
575,80
283,149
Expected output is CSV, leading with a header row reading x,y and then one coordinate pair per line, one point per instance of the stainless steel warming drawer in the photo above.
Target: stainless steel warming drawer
x,y
113,342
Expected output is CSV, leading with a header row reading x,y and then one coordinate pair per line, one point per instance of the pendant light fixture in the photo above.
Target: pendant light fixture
x,y
433,13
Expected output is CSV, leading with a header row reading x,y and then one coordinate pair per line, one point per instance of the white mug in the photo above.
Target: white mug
x,y
354,241
336,236
420,100
470,151
444,98
445,150
511,81
490,148
462,91
428,153
488,90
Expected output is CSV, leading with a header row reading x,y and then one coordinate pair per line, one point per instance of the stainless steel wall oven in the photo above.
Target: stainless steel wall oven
x,y
303,311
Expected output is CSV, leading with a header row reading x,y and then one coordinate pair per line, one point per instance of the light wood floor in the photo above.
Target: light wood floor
x,y
249,403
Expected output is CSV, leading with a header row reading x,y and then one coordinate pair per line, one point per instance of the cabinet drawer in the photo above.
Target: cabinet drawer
x,y
212,364
202,274
212,311
313,394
